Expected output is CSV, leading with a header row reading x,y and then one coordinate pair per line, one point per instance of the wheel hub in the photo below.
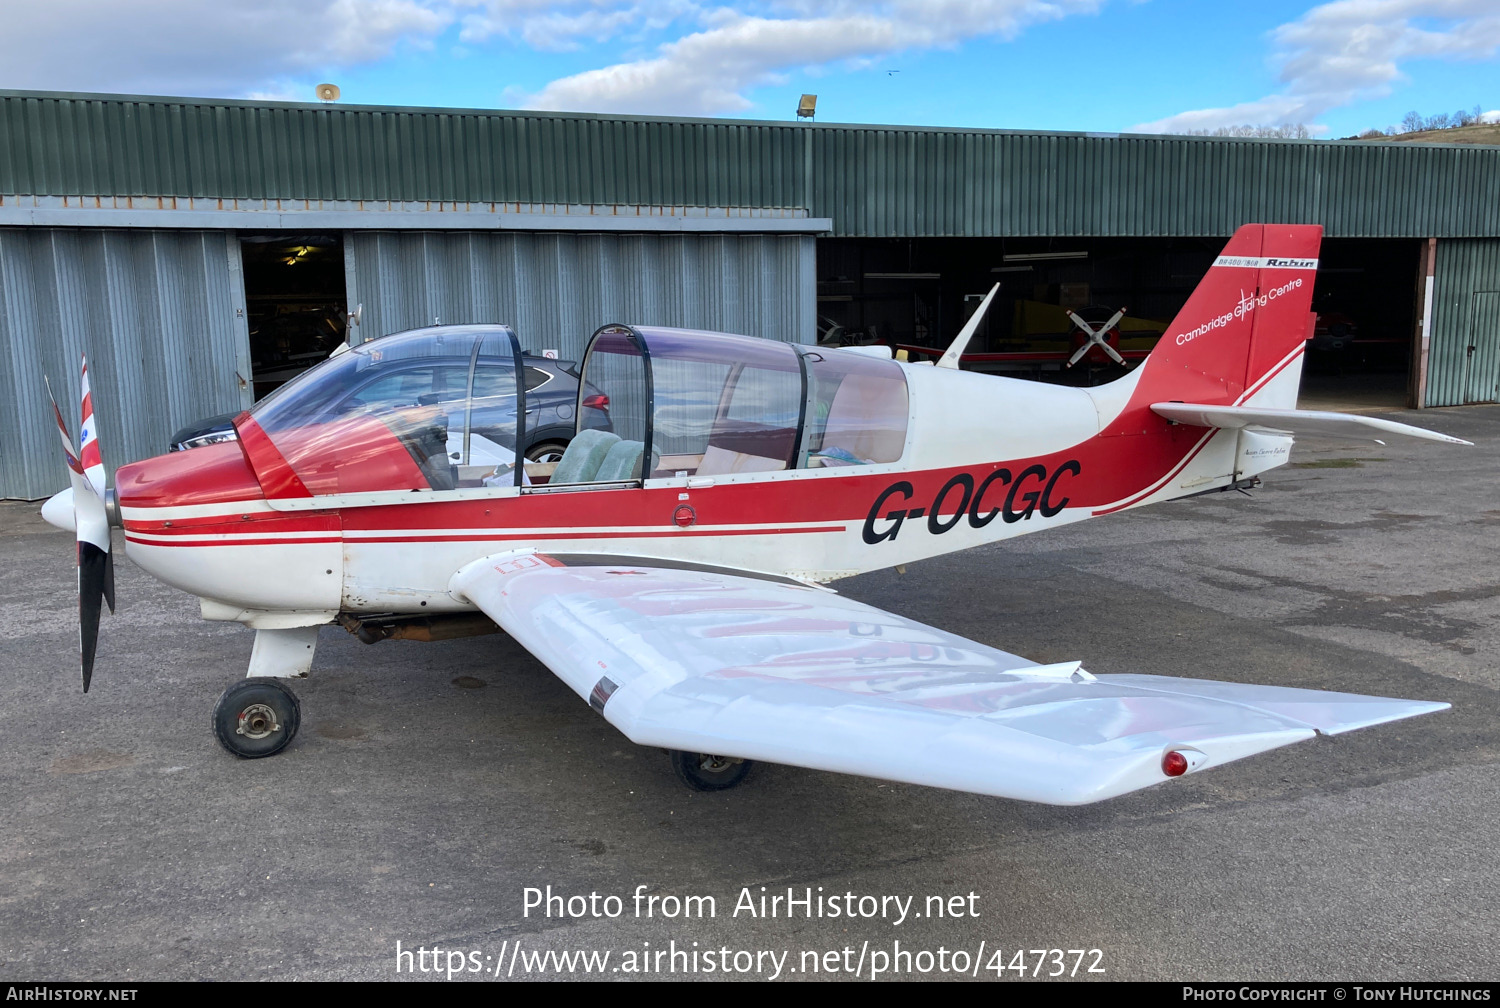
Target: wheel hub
x,y
257,721
716,764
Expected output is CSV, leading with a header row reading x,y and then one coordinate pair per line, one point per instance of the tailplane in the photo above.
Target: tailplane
x,y
1294,421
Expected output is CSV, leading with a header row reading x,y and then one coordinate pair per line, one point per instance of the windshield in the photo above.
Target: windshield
x,y
430,409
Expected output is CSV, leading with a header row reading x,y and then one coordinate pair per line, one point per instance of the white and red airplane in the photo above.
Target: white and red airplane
x,y
670,567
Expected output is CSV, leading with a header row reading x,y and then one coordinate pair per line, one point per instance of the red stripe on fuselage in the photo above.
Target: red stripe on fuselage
x,y
194,541
195,536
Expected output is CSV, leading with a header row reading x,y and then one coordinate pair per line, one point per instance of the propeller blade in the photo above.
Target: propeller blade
x,y
95,582
109,582
93,470
62,429
96,575
1114,320
88,437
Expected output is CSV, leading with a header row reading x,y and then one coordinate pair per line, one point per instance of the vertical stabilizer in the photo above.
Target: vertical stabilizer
x,y
1244,325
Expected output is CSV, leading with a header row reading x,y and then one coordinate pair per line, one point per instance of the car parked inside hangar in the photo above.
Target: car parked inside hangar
x,y
380,371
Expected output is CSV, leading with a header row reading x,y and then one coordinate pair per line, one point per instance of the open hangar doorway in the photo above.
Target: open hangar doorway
x,y
914,294
295,303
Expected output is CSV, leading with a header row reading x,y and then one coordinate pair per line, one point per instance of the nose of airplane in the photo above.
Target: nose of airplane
x,y
207,475
58,511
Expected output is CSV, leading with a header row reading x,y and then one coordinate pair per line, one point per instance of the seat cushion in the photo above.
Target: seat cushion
x,y
622,463
586,451
721,462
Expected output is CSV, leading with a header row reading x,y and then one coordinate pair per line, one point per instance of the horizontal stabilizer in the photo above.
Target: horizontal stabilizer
x,y
1294,421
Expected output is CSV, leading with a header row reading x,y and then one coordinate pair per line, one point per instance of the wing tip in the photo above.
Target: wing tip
x,y
1407,709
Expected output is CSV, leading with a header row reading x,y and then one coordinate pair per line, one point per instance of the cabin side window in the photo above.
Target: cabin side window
x,y
856,410
723,404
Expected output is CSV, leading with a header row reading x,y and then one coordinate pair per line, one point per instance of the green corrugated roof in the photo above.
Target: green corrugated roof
x,y
872,180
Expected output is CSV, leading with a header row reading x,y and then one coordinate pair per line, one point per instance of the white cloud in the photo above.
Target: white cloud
x,y
1490,117
700,56
1343,52
707,72
710,71
565,24
192,47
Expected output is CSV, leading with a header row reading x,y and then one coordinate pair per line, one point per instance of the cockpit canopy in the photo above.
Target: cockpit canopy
x,y
710,404
445,408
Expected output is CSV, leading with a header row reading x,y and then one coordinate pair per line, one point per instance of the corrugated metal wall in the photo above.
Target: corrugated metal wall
x,y
872,181
55,145
156,312
1462,317
556,289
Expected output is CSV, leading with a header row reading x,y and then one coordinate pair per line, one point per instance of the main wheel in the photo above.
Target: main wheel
x,y
706,772
257,717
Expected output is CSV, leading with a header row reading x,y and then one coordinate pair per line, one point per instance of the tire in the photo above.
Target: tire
x,y
697,770
257,717
546,451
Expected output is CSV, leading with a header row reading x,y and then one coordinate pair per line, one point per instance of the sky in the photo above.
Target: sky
x,y
1091,65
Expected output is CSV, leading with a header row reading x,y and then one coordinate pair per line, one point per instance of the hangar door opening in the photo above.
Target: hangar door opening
x,y
295,303
915,294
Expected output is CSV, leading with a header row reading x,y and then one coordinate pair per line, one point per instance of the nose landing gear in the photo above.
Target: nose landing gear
x,y
257,717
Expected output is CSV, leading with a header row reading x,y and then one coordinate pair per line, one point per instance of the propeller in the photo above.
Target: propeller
x,y
90,523
1096,337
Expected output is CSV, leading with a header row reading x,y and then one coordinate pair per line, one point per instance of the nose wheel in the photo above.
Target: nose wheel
x,y
706,772
257,717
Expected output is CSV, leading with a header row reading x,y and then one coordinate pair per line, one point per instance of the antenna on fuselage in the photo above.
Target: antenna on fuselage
x,y
961,341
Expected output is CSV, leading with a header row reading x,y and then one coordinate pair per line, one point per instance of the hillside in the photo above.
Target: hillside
x,y
1483,133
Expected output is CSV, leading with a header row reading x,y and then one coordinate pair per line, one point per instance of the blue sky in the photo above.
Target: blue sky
x,y
1103,65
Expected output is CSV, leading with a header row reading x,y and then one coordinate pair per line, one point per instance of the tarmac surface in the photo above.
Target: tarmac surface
x,y
432,784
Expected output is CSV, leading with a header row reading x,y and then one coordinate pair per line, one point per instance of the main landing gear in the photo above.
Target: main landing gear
x,y
706,772
257,717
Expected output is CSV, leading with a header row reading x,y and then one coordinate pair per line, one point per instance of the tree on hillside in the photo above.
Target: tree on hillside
x,y
1414,122
1285,131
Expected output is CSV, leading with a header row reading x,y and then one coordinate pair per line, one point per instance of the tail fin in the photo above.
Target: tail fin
x,y
1243,326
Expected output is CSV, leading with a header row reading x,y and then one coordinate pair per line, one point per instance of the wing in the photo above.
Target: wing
x,y
709,661
1294,421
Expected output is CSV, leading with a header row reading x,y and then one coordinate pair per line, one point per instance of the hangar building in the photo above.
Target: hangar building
x,y
203,251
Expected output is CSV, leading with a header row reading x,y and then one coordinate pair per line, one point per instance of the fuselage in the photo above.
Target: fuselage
x,y
368,483
985,458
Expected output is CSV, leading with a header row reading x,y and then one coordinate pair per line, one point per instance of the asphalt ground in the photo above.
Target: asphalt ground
x,y
432,784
